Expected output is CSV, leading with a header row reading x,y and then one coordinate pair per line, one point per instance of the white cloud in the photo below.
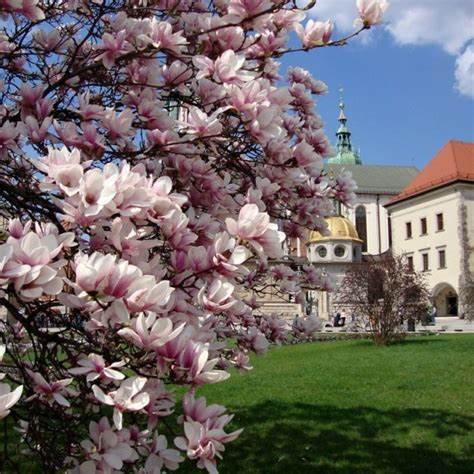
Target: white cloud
x,y
465,72
448,24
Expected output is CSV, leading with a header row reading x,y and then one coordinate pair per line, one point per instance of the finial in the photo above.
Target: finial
x,y
341,98
342,115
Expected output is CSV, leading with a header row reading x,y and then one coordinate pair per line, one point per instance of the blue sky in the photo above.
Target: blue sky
x,y
402,99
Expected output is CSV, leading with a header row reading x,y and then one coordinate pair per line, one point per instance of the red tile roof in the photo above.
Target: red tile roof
x,y
454,162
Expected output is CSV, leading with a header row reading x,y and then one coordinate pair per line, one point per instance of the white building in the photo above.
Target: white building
x,y
433,225
335,253
377,185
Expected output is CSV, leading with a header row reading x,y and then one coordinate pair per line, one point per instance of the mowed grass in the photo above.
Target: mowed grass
x,y
348,406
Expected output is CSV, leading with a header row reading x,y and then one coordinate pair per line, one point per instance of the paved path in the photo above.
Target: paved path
x,y
447,324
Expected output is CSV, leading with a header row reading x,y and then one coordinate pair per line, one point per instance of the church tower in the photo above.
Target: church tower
x,y
345,154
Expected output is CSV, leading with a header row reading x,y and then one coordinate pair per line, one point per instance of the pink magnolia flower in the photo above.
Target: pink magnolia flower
x,y
128,397
315,33
304,328
119,125
94,366
89,111
255,227
8,136
149,333
105,451
144,294
228,255
161,402
64,168
245,8
193,362
371,12
28,8
161,36
176,73
50,391
204,444
129,240
241,361
196,409
226,69
217,297
200,124
97,188
31,265
254,340
8,398
113,47
160,456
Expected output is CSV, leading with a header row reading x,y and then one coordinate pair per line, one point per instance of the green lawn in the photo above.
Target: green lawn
x,y
348,406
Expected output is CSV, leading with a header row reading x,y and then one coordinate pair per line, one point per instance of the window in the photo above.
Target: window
x,y
410,263
361,226
424,226
425,262
389,223
439,222
322,251
408,227
339,251
442,258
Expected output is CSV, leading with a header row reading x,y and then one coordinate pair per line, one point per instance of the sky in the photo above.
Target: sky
x,y
408,85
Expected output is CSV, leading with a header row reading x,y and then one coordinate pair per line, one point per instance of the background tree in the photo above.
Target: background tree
x,y
148,149
384,294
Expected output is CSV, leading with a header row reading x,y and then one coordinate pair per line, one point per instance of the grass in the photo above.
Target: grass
x,y
336,407
348,407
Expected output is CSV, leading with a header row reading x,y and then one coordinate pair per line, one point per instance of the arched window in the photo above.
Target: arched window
x,y
361,226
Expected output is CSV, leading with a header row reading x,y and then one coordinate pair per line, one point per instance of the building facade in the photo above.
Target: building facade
x,y
433,226
363,229
376,186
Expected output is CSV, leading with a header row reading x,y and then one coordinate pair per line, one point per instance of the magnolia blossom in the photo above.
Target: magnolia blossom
x,y
218,297
50,391
371,12
194,363
128,397
105,450
8,398
94,367
160,456
200,124
255,227
113,47
204,444
315,33
175,153
28,261
149,333
306,327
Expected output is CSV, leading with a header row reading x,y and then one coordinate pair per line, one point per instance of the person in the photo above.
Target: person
x,y
433,315
337,319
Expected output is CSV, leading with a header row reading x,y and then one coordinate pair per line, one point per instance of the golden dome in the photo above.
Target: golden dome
x,y
339,227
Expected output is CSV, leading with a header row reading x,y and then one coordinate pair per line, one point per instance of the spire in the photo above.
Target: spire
x,y
343,135
345,154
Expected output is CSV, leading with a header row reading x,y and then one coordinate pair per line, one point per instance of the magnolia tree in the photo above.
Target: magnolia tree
x,y
148,152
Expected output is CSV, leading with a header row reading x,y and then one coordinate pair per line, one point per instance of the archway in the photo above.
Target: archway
x,y
445,299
